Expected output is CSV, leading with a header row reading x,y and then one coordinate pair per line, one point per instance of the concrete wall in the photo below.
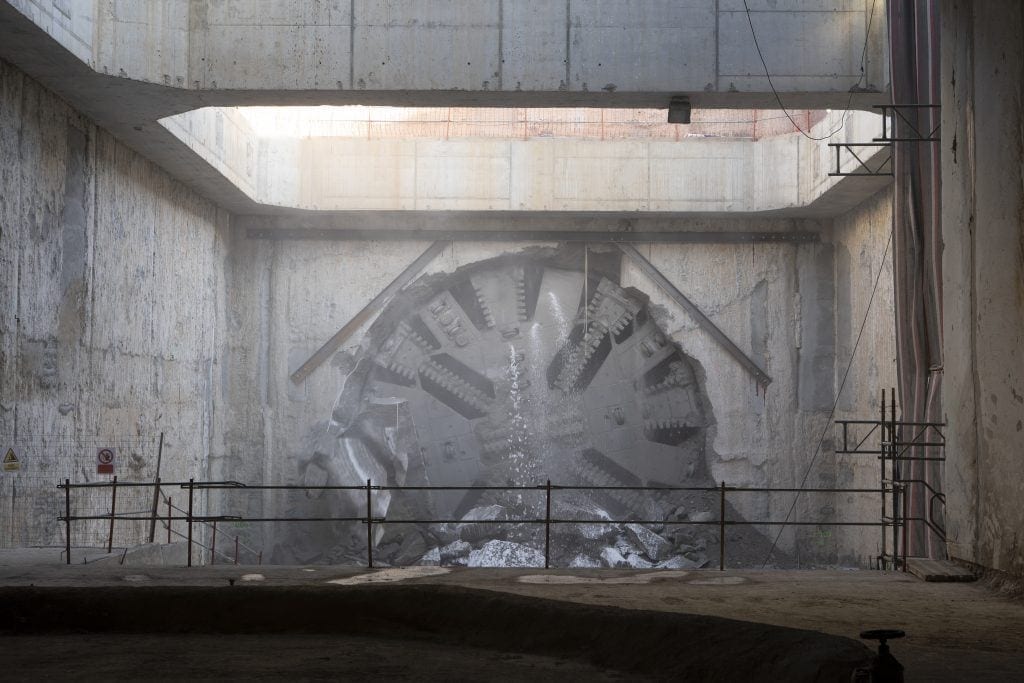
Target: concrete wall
x,y
761,298
111,308
347,173
778,302
798,311
72,23
600,46
135,308
128,64
865,362
226,141
983,280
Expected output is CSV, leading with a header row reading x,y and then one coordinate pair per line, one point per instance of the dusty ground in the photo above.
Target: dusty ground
x,y
954,631
273,657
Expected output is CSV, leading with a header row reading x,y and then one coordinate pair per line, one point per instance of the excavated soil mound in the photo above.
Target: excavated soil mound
x,y
640,643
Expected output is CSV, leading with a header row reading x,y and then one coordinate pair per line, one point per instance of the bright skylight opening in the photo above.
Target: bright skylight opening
x,y
368,122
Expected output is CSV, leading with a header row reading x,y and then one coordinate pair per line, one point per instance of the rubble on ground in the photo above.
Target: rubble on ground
x,y
474,542
432,558
455,553
506,554
474,527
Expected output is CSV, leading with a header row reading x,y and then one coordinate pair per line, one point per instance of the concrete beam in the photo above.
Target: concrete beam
x,y
623,237
148,63
328,225
629,52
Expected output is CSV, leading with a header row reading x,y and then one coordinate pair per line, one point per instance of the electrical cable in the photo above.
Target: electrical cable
x,y
835,404
853,89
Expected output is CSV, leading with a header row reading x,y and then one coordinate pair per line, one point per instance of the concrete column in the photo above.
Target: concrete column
x,y
983,280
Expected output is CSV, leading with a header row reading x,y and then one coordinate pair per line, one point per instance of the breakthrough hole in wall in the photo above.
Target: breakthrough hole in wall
x,y
510,372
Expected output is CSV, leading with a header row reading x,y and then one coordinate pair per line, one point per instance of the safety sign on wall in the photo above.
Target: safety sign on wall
x,y
11,462
105,461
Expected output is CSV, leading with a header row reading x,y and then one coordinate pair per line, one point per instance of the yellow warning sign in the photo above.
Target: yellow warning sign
x,y
11,462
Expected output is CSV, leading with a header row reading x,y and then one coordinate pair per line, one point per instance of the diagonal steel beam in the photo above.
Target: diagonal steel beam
x,y
705,323
332,344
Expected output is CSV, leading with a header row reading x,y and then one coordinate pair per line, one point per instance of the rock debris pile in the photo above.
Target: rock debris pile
x,y
488,536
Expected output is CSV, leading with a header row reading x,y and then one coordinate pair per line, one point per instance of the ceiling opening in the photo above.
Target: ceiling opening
x,y
378,158
519,123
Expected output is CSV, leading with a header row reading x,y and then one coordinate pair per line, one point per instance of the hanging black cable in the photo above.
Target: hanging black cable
x,y
835,404
849,101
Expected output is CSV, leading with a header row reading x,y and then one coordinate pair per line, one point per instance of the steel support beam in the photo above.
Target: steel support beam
x,y
332,344
648,268
912,129
624,237
882,167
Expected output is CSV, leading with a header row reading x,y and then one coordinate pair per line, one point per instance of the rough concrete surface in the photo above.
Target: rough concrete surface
x,y
128,64
543,45
111,306
983,281
285,298
136,309
130,306
865,362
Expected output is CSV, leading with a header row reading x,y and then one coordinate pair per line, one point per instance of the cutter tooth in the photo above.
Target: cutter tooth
x,y
521,297
482,302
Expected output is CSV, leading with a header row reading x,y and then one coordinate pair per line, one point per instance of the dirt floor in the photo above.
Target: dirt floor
x,y
954,631
274,657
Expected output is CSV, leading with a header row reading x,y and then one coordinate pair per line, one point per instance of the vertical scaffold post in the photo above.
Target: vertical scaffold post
x,y
190,490
67,520
905,504
168,519
883,427
896,474
213,544
14,506
547,527
236,549
369,525
113,508
721,529
156,510
156,489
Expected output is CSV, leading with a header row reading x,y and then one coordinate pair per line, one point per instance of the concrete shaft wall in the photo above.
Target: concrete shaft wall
x,y
983,279
794,308
134,308
111,307
475,46
865,359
